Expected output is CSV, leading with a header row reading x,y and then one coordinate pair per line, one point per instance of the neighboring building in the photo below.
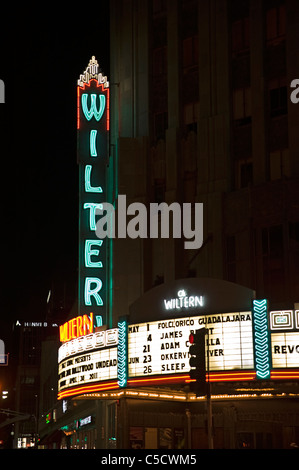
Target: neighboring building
x,y
30,336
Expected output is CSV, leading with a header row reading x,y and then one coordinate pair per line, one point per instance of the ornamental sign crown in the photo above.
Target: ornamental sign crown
x,y
92,71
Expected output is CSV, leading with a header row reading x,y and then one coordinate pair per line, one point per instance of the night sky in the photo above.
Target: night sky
x,y
41,59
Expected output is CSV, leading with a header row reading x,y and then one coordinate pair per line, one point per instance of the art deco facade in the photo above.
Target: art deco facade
x,y
201,112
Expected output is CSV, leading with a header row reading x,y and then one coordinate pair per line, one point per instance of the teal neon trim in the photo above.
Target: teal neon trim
x,y
89,292
89,253
93,143
92,215
88,187
93,111
99,320
261,338
122,354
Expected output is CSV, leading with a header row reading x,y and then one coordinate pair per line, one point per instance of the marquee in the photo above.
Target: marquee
x,y
240,346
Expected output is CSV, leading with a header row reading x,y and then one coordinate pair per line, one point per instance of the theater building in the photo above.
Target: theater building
x,y
196,109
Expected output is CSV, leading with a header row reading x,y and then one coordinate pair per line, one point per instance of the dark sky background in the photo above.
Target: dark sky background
x,y
41,58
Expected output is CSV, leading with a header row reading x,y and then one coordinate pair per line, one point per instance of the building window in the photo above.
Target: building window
x,y
160,61
294,234
276,25
160,125
159,190
273,262
244,173
159,7
240,37
191,113
278,97
190,52
231,258
242,106
279,164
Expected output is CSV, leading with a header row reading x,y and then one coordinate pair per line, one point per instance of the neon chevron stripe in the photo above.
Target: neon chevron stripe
x,y
261,340
122,359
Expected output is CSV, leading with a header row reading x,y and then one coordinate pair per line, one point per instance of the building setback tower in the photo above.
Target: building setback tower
x,y
202,113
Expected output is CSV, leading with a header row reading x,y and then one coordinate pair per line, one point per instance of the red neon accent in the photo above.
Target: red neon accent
x,y
106,91
108,110
158,379
232,376
98,387
213,376
78,108
225,376
285,374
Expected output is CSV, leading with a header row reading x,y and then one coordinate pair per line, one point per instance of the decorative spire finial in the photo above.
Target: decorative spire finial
x,y
92,71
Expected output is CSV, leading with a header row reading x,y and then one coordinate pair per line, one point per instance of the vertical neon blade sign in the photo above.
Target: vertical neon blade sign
x,y
92,157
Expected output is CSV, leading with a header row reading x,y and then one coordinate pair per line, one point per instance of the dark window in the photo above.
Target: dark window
x,y
160,125
278,101
240,37
242,106
159,188
231,258
159,6
246,174
190,51
294,232
276,25
159,61
273,262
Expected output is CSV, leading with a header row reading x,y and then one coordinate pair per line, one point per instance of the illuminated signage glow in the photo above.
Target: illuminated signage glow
x,y
99,339
183,301
122,372
85,421
92,150
261,339
239,347
79,326
162,347
284,320
86,368
285,350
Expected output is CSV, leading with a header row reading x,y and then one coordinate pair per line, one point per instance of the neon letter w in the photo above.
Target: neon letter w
x,y
93,111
